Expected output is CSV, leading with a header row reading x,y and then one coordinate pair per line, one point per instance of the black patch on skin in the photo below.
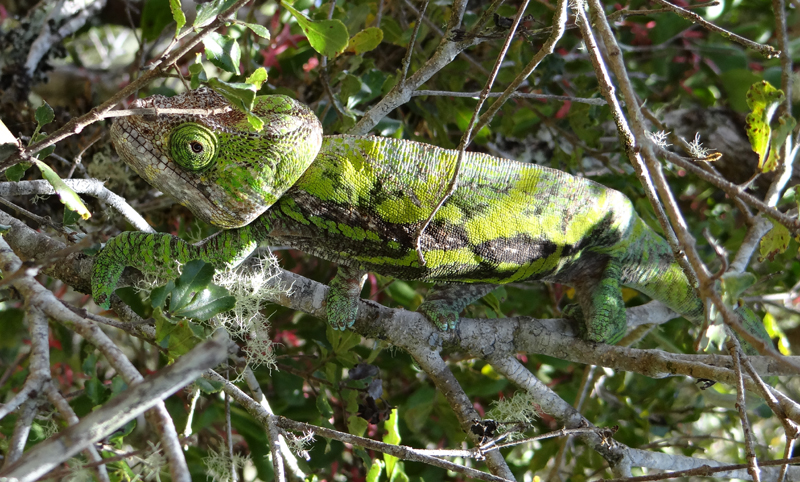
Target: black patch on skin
x,y
443,236
519,250
601,235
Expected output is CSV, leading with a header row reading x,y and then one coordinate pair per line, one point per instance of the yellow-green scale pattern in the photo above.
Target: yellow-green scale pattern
x,y
360,202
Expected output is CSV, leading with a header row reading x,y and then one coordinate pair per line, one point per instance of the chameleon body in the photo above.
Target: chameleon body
x,y
360,201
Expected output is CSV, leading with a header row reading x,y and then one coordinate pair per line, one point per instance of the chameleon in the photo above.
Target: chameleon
x,y
360,201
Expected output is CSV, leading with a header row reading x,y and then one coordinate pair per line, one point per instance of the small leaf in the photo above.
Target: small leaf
x,y
198,75
223,51
255,122
179,338
177,15
70,217
208,303
208,386
493,302
392,437
196,276
67,196
17,171
44,114
206,12
374,474
357,425
257,29
775,241
38,136
257,78
159,295
239,94
763,99
328,37
155,16
785,126
365,40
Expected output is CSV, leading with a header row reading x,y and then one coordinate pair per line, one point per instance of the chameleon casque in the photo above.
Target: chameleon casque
x,y
360,200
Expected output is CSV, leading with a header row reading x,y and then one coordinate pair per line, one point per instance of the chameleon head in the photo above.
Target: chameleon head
x,y
203,152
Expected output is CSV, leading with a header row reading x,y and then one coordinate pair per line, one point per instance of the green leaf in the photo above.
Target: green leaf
x,y
196,276
17,171
223,51
762,99
89,365
375,470
44,114
118,385
67,196
38,136
178,338
493,302
255,122
159,294
198,75
328,37
357,425
392,437
70,217
257,78
399,474
156,15
208,303
785,126
365,40
96,391
239,94
177,15
208,386
206,12
323,407
257,29
775,241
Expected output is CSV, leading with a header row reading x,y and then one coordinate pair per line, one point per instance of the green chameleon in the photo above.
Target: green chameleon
x,y
360,201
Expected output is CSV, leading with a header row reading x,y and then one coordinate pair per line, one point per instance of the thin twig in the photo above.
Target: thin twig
x,y
766,50
412,42
523,95
466,138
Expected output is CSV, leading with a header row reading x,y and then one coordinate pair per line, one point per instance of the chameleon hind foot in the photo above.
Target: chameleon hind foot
x,y
446,302
344,291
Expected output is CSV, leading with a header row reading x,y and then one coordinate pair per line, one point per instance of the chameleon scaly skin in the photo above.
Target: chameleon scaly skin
x,y
358,201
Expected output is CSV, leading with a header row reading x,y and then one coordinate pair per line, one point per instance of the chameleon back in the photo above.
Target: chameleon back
x,y
363,200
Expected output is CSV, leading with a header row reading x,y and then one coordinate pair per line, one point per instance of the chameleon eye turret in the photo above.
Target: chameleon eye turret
x,y
193,146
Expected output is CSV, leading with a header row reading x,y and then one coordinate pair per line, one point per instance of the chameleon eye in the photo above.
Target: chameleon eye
x,y
192,146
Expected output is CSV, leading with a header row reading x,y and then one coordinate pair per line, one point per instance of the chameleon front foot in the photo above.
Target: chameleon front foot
x,y
343,294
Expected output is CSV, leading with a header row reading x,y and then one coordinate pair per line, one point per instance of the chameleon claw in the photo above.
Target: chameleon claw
x,y
438,314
